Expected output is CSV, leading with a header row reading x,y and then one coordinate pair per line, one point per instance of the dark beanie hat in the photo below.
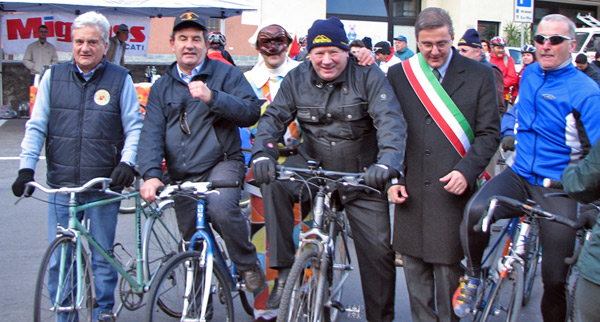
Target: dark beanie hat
x,y
328,32
581,58
470,38
368,43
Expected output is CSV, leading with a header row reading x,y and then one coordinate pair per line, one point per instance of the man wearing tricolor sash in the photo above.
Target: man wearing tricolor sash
x,y
449,102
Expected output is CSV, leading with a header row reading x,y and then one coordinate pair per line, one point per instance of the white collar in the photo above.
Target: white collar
x,y
260,74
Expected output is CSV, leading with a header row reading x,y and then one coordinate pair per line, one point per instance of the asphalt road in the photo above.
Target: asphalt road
x,y
23,236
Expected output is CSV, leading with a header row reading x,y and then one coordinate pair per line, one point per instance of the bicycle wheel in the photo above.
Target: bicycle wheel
x,y
305,290
531,258
161,238
179,286
57,300
506,298
338,268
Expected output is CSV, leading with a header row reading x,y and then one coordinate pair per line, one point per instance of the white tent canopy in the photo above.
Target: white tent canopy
x,y
147,8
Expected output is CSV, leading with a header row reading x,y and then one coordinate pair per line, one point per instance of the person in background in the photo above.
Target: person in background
x,y
581,62
556,123
470,46
117,45
192,121
303,52
383,52
401,47
485,45
87,113
39,54
506,64
440,174
528,57
323,94
597,59
215,45
355,46
582,183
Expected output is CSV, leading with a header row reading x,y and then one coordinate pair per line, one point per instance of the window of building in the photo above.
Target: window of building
x,y
357,7
488,29
404,8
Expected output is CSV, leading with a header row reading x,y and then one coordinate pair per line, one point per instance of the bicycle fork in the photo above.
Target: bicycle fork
x,y
193,272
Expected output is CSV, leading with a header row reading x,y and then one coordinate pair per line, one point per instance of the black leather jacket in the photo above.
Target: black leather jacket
x,y
347,124
214,125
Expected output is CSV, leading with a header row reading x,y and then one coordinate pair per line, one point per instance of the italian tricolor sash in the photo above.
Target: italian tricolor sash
x,y
438,104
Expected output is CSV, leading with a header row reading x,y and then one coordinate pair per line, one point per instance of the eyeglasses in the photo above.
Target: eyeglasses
x,y
440,45
554,40
183,123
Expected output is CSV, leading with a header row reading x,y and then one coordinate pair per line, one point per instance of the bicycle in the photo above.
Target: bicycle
x,y
313,291
68,259
188,281
501,291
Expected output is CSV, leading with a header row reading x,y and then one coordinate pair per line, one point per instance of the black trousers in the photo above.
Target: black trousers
x,y
369,219
557,240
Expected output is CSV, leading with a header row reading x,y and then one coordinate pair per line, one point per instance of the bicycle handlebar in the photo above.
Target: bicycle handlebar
x,y
96,184
195,187
552,183
344,178
530,211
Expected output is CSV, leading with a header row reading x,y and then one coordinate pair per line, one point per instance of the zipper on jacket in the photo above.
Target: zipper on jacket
x,y
535,141
80,133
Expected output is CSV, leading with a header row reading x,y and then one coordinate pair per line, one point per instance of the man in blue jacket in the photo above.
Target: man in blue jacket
x,y
192,121
556,124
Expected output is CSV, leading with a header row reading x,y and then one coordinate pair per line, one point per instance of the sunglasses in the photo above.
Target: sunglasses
x,y
183,123
554,40
463,50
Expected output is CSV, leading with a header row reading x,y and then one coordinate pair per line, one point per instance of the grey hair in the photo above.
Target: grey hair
x,y
432,18
561,18
93,18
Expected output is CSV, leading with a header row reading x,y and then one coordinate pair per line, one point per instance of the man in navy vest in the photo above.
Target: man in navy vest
x,y
87,113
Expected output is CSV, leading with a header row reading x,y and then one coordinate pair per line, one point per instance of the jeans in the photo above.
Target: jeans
x,y
102,227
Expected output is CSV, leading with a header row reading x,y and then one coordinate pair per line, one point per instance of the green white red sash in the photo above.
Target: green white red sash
x,y
439,105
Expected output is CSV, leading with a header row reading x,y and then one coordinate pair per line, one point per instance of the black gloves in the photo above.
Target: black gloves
x,y
122,175
508,143
378,175
263,168
18,187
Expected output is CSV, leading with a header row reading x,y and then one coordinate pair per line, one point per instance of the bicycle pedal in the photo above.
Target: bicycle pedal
x,y
354,311
338,306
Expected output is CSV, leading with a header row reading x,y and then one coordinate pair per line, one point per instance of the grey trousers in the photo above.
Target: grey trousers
x,y
430,289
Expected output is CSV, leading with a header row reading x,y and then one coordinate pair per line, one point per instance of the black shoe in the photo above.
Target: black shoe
x,y
254,278
276,294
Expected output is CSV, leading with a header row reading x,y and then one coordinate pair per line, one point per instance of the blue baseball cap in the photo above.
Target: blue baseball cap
x,y
401,38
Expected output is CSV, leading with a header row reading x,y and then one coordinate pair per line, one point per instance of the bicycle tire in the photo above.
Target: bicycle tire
x,y
337,267
507,297
45,293
160,241
304,292
531,258
248,308
169,288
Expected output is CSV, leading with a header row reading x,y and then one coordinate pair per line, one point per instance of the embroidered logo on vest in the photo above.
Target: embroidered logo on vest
x,y
102,97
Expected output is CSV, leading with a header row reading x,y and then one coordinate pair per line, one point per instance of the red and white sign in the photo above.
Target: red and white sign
x,y
19,30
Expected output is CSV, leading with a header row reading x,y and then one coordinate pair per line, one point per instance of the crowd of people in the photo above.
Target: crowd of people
x,y
422,127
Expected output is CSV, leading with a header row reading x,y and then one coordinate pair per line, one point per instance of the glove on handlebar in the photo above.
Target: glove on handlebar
x,y
378,175
263,168
122,175
18,187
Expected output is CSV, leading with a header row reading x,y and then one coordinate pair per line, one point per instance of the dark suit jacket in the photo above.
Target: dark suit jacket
x,y
427,224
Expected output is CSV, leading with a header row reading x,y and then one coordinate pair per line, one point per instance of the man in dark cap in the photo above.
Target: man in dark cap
x,y
192,121
583,65
116,45
383,52
401,47
323,95
470,46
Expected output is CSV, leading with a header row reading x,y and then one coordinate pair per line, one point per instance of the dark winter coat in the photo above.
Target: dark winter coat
x,y
426,226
